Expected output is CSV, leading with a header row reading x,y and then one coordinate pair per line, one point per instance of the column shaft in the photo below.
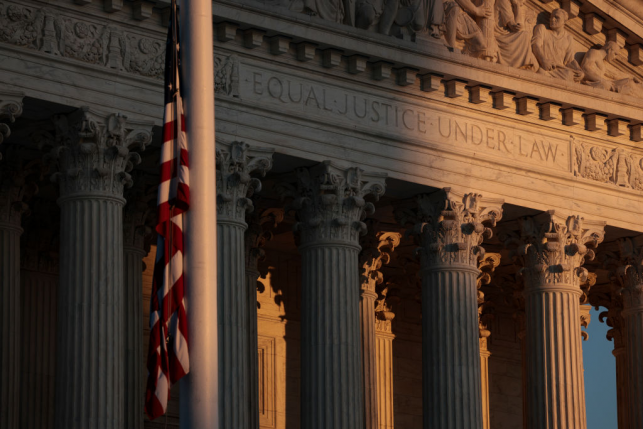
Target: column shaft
x,y
369,363
330,338
622,388
38,350
90,379
484,380
555,385
234,356
385,411
9,325
451,350
253,347
633,319
135,371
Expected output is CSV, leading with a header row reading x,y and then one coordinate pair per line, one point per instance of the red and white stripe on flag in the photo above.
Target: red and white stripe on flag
x,y
168,358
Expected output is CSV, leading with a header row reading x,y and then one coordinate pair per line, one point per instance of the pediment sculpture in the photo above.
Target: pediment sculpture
x,y
500,31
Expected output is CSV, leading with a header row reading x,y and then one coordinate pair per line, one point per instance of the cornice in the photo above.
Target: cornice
x,y
426,59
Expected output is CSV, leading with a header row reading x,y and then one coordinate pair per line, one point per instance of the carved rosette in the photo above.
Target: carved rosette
x,y
258,234
236,163
551,249
330,202
451,227
93,152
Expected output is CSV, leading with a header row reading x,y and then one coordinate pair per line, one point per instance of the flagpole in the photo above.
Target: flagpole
x,y
199,389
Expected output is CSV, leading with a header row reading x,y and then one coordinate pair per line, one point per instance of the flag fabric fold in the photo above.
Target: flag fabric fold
x,y
168,357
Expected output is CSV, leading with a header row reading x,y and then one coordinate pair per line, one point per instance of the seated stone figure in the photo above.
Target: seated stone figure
x,y
333,10
597,75
512,37
553,49
461,25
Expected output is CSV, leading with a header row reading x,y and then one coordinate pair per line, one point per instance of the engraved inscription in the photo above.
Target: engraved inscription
x,y
399,119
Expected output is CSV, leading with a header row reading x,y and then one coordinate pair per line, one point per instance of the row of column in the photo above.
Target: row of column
x,y
97,350
98,313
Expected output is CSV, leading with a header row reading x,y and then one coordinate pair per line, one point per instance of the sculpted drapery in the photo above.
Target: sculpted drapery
x,y
499,31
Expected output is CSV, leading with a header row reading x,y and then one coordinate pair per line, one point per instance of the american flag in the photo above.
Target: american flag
x,y
168,358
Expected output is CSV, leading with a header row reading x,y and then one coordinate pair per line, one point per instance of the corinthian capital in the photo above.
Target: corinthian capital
x,y
93,152
377,247
625,266
451,227
384,314
487,266
551,249
137,215
17,186
10,108
236,163
259,233
330,202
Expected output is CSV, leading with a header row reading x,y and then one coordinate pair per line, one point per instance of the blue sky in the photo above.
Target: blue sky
x,y
600,377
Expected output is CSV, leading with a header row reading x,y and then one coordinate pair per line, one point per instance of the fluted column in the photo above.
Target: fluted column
x,y
626,270
10,232
551,249
135,249
235,164
14,190
375,252
613,301
256,237
329,202
384,359
450,229
39,285
93,155
10,108
485,316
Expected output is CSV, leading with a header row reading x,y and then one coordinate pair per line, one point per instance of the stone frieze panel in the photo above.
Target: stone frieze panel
x,y
614,166
50,32
401,120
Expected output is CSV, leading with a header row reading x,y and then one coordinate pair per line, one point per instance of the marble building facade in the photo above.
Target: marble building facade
x,y
418,203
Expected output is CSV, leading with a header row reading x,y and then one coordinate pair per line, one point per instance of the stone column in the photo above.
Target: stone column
x,y
375,252
615,321
256,236
612,299
329,202
13,191
92,151
384,359
551,249
10,108
626,270
135,248
39,285
450,229
235,164
485,316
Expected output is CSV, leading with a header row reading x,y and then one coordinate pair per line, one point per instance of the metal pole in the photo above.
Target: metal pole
x,y
199,389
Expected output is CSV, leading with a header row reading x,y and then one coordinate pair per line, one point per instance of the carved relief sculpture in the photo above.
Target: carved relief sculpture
x,y
594,66
461,17
553,49
513,27
613,166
